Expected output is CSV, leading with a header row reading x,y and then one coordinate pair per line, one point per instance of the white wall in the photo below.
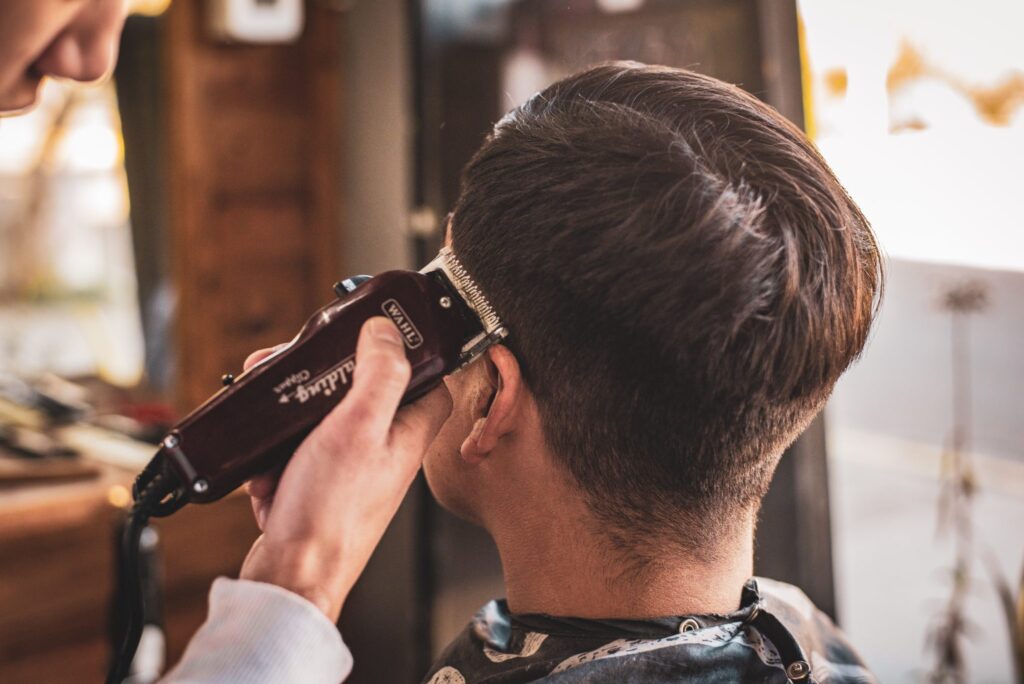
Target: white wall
x,y
888,423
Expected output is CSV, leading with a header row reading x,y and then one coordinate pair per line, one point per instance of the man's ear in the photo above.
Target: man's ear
x,y
501,415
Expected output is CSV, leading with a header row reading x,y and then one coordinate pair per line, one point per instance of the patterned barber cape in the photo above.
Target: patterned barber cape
x,y
777,635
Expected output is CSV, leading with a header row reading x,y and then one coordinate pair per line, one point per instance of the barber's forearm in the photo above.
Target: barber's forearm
x,y
310,569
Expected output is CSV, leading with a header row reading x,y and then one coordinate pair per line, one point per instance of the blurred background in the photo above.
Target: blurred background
x,y
157,228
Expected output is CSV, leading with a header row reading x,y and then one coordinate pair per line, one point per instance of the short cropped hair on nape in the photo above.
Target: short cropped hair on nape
x,y
684,280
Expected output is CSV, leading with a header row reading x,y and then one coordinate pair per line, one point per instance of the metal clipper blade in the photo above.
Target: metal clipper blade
x,y
493,329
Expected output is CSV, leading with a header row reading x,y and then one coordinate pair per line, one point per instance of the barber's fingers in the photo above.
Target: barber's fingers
x,y
261,489
416,425
261,511
381,377
261,354
262,486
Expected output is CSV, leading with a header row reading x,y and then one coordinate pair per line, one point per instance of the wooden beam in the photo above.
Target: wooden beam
x,y
254,186
780,57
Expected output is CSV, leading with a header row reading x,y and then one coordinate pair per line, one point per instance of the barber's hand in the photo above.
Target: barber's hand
x,y
324,514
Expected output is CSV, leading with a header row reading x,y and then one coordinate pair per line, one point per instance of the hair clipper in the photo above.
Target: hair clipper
x,y
259,418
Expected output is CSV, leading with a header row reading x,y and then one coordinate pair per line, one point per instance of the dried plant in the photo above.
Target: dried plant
x,y
956,515
1013,610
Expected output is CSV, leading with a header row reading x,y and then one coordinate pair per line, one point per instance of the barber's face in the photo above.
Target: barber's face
x,y
73,39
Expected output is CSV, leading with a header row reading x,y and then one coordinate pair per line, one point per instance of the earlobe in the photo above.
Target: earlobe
x,y
501,412
472,451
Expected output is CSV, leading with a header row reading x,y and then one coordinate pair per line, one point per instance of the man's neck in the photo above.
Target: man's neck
x,y
555,564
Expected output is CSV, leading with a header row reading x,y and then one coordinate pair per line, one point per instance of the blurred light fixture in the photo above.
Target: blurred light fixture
x,y
149,8
23,138
256,21
118,496
616,6
91,147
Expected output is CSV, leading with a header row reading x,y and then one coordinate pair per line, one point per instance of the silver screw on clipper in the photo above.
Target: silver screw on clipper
x,y
798,670
200,486
446,302
171,441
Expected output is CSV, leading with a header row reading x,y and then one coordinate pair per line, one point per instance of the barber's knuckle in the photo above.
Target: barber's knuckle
x,y
361,434
363,444
356,414
395,369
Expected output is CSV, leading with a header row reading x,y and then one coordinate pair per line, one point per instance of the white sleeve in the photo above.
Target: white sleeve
x,y
257,632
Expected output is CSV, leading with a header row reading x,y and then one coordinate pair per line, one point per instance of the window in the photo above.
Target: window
x,y
67,274
919,108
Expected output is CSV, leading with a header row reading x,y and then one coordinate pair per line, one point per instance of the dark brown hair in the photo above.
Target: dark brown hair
x,y
684,280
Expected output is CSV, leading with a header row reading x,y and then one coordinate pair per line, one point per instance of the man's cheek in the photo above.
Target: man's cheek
x,y
442,461
439,473
445,445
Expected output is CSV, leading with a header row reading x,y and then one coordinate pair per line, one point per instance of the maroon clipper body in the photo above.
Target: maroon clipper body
x,y
257,420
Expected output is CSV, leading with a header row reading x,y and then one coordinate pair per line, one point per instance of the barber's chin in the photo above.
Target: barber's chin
x,y
21,97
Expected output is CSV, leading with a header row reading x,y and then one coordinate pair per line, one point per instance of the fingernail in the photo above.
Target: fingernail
x,y
385,331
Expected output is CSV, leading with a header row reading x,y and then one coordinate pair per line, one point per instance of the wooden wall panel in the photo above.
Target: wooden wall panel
x,y
254,180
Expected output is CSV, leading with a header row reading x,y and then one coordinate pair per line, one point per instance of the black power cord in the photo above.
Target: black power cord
x,y
157,493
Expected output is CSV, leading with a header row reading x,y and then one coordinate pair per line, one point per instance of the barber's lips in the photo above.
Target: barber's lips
x,y
34,76
24,93
34,73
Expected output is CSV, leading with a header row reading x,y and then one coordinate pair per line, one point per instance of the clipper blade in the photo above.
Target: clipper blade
x,y
494,330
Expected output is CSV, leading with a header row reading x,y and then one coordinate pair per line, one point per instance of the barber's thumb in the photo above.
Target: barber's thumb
x,y
381,378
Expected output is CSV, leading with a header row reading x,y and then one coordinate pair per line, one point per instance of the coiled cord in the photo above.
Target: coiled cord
x,y
157,493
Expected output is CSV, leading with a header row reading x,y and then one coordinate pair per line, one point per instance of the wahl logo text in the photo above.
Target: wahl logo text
x,y
405,326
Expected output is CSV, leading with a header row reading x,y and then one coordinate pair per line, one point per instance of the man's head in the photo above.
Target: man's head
x,y
683,279
75,39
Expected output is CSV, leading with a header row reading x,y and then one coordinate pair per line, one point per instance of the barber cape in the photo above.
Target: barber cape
x,y
777,635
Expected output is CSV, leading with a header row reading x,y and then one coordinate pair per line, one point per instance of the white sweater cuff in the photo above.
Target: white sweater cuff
x,y
257,632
